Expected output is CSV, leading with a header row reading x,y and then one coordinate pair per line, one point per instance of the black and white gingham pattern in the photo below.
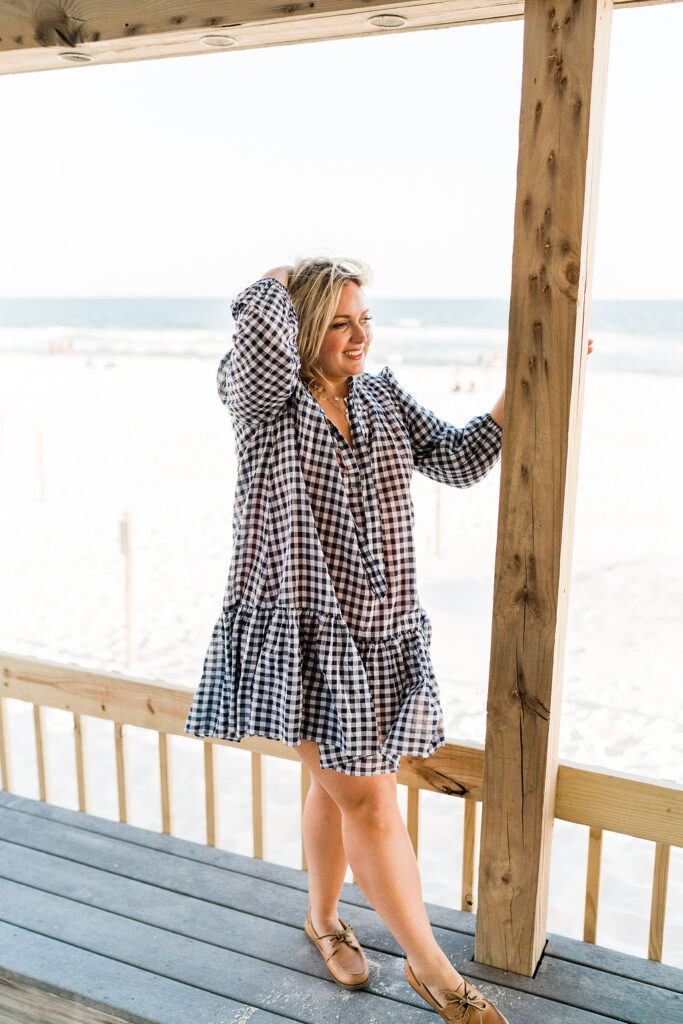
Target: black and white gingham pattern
x,y
321,634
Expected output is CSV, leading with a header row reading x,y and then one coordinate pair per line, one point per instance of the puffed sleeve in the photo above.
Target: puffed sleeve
x,y
259,373
459,457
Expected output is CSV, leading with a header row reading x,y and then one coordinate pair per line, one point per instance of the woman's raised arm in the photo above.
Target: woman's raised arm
x,y
259,373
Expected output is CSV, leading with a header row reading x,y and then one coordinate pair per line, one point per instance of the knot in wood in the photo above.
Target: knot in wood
x,y
572,273
57,28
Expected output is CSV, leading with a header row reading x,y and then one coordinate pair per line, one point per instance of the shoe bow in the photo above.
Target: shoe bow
x,y
343,935
463,1001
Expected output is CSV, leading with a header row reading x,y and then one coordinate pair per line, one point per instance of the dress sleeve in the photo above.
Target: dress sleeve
x,y
259,373
459,457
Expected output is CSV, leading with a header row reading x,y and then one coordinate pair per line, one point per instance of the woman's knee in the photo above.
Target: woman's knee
x,y
372,799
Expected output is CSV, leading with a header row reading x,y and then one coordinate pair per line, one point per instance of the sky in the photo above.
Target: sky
x,y
193,176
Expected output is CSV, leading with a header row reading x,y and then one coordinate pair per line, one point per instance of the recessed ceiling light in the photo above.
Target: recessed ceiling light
x,y
388,20
216,40
75,57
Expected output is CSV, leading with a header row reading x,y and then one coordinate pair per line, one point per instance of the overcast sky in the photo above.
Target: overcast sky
x,y
193,176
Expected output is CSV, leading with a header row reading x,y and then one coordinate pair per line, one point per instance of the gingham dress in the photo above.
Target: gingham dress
x,y
321,635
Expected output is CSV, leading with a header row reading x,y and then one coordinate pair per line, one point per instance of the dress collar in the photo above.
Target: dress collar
x,y
357,381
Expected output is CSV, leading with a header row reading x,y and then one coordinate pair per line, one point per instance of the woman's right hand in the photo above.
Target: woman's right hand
x,y
281,273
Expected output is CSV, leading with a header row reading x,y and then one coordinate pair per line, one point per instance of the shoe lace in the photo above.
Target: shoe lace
x,y
463,1001
342,935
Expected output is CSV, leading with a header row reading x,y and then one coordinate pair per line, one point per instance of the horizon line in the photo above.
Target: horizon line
x,y
376,298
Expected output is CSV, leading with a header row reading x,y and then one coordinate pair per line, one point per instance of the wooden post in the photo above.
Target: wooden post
x,y
566,48
127,552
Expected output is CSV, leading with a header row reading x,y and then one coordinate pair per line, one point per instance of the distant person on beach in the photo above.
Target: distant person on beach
x,y
322,641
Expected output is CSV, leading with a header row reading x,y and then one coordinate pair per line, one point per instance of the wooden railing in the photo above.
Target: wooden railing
x,y
602,800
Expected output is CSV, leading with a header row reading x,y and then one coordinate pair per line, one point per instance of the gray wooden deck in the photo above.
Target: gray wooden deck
x,y
101,921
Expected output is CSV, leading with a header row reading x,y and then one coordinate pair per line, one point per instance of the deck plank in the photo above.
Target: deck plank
x,y
616,962
35,965
227,926
34,904
235,931
201,965
445,917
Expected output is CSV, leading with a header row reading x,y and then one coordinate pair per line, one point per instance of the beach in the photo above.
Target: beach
x,y
85,440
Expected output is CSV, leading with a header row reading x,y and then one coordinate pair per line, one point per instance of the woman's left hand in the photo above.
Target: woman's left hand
x,y
590,345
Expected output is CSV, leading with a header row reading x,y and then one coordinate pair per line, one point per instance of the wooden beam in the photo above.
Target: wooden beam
x,y
566,47
37,35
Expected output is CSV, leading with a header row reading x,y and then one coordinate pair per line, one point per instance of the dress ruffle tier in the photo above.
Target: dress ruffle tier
x,y
366,700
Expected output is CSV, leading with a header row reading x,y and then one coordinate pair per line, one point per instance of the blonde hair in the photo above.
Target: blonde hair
x,y
315,285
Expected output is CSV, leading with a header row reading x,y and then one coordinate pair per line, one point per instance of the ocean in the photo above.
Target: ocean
x,y
635,336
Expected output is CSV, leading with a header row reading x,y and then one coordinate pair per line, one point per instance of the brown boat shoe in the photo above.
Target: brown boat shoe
x,y
328,945
464,1003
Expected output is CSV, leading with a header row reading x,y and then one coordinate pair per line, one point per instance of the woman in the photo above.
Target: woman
x,y
322,642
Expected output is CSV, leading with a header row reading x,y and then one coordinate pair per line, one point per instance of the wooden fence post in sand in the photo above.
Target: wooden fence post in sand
x,y
126,551
40,454
566,48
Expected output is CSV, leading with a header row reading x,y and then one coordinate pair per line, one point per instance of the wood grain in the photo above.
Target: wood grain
x,y
35,34
564,77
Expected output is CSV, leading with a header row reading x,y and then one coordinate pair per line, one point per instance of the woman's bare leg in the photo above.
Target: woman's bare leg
x,y
327,866
381,855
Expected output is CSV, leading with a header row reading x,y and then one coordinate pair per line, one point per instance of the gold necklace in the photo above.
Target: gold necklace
x,y
321,390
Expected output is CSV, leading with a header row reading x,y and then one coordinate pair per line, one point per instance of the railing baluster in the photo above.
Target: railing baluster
x,y
258,794
413,816
38,722
658,907
305,786
469,843
79,750
5,758
211,793
165,778
121,777
590,917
